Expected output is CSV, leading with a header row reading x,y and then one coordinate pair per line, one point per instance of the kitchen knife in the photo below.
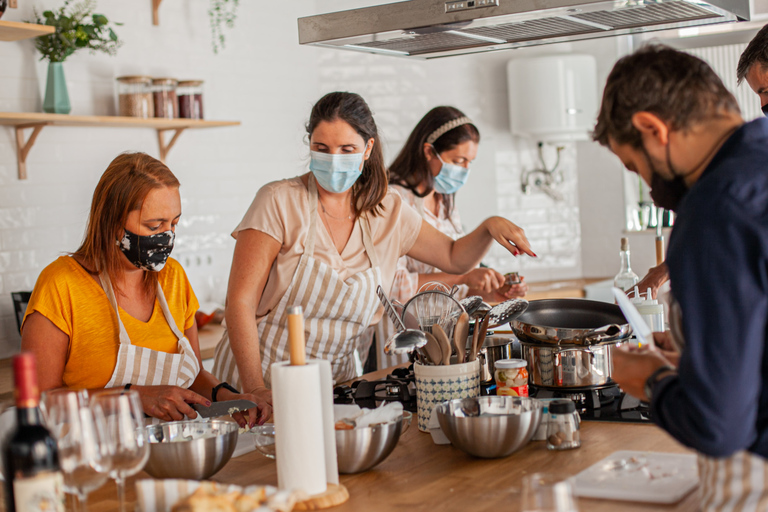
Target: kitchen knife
x,y
223,408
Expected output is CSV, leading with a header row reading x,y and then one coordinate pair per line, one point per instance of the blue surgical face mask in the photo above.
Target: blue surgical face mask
x,y
336,173
450,178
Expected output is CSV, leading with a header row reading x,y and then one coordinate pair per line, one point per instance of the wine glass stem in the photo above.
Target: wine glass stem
x,y
82,502
121,492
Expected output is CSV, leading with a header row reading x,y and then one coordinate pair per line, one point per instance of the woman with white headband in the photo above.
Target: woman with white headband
x,y
324,241
431,167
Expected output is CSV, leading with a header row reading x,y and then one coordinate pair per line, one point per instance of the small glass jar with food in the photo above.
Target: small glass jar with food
x,y
134,96
164,97
190,94
563,426
511,377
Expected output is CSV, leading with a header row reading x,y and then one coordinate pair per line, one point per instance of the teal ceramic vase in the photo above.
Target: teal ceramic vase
x,y
56,97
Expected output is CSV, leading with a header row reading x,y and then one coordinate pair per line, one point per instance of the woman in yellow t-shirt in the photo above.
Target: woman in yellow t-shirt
x,y
118,312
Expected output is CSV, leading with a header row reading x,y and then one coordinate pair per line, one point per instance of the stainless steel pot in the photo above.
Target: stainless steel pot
x,y
571,322
494,348
569,366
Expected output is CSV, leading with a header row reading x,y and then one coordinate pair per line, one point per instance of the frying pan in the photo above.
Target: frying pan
x,y
572,322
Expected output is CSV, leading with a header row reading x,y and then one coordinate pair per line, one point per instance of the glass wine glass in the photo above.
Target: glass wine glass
x,y
125,426
84,448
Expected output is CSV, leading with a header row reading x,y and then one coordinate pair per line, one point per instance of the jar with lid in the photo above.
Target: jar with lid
x,y
164,97
563,426
134,96
511,377
190,93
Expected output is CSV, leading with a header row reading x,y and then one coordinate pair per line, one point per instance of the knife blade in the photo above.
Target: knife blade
x,y
223,408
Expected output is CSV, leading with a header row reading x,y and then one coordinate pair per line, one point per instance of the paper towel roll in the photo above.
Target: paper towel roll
x,y
329,429
299,427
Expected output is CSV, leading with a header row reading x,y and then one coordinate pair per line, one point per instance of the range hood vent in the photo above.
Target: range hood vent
x,y
438,28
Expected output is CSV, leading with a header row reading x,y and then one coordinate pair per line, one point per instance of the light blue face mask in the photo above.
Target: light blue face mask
x,y
450,178
336,173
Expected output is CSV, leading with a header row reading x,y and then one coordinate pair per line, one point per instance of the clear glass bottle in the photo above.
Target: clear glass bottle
x,y
563,426
134,96
164,96
625,279
190,93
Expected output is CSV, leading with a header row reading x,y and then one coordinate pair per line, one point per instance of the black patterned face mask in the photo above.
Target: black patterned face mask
x,y
148,252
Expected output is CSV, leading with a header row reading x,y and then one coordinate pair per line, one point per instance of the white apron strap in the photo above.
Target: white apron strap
x,y
106,284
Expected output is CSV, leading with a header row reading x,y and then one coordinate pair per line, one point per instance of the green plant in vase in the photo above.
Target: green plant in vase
x,y
77,28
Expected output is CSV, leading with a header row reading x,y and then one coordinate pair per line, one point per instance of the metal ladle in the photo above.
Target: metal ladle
x,y
404,340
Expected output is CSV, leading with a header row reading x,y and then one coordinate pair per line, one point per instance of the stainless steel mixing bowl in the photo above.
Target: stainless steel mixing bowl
x,y
489,426
360,449
190,449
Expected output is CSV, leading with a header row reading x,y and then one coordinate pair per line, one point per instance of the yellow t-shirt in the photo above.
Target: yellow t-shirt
x,y
70,298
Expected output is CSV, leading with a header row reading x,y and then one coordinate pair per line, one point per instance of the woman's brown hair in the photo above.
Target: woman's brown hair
x,y
411,169
122,189
370,189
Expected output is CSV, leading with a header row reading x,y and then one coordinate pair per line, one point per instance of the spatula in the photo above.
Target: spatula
x,y
460,333
445,344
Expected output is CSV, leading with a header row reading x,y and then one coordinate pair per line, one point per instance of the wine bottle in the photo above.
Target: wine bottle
x,y
625,279
33,479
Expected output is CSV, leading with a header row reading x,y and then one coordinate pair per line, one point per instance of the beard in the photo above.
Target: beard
x,y
665,193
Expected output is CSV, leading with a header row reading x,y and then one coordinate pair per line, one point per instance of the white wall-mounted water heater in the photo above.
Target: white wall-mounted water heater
x,y
553,98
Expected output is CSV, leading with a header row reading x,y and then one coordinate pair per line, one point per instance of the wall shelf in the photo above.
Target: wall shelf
x,y
16,31
36,121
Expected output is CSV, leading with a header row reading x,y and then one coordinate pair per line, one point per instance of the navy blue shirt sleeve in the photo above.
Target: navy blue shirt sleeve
x,y
718,278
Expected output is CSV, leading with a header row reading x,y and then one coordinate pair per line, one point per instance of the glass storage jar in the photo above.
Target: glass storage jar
x,y
563,426
134,96
190,93
511,377
164,96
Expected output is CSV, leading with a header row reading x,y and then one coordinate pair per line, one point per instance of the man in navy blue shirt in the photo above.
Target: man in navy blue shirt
x,y
669,118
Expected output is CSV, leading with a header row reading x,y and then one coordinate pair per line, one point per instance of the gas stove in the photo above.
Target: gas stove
x,y
398,386
605,403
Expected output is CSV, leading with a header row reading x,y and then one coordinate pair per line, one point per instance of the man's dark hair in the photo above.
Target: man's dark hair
x,y
756,51
677,87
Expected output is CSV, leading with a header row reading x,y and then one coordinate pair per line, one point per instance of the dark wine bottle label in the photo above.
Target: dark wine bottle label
x,y
43,492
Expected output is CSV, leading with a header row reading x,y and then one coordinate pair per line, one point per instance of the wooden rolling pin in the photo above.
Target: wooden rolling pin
x,y
296,343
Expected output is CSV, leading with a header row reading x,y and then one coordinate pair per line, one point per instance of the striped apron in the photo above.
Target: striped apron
x,y
146,367
336,311
738,483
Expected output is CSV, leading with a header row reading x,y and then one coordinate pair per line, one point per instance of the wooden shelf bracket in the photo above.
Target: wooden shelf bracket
x,y
155,15
165,148
23,147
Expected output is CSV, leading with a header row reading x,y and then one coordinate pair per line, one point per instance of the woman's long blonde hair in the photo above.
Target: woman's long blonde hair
x,y
122,189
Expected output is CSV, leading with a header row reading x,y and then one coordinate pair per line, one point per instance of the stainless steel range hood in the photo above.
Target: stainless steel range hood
x,y
439,28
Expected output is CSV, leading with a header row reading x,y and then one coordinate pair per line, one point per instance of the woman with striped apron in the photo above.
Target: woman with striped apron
x,y
142,366
330,263
336,311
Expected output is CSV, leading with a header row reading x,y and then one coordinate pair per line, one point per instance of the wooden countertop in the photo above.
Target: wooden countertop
x,y
420,475
561,289
209,336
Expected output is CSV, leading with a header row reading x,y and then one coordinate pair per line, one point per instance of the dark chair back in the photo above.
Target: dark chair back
x,y
20,301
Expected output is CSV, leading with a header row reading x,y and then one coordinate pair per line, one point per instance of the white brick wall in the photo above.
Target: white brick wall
x,y
266,80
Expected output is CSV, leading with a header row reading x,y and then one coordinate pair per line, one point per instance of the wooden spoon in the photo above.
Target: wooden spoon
x,y
445,344
480,339
433,350
460,333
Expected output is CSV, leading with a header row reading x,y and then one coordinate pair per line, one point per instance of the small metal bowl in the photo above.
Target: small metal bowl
x,y
357,450
489,426
193,450
360,449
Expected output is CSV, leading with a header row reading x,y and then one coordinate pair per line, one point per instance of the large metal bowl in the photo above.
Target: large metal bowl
x,y
360,449
489,426
190,449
